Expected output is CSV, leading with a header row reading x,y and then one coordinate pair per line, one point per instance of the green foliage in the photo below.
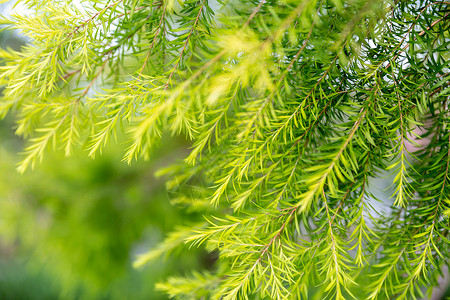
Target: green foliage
x,y
293,108
71,228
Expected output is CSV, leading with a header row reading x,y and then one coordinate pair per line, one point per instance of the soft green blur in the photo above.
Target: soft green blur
x,y
70,228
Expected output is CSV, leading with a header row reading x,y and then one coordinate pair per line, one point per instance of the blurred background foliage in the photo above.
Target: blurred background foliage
x,y
71,228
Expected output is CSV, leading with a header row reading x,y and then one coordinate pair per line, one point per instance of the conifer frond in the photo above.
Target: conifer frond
x,y
293,109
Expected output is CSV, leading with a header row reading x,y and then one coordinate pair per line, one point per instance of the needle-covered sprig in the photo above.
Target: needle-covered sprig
x,y
293,107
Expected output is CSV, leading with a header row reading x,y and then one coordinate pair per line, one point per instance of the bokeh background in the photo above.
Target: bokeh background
x,y
71,228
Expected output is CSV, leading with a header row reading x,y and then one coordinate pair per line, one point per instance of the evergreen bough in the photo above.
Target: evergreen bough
x,y
293,108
